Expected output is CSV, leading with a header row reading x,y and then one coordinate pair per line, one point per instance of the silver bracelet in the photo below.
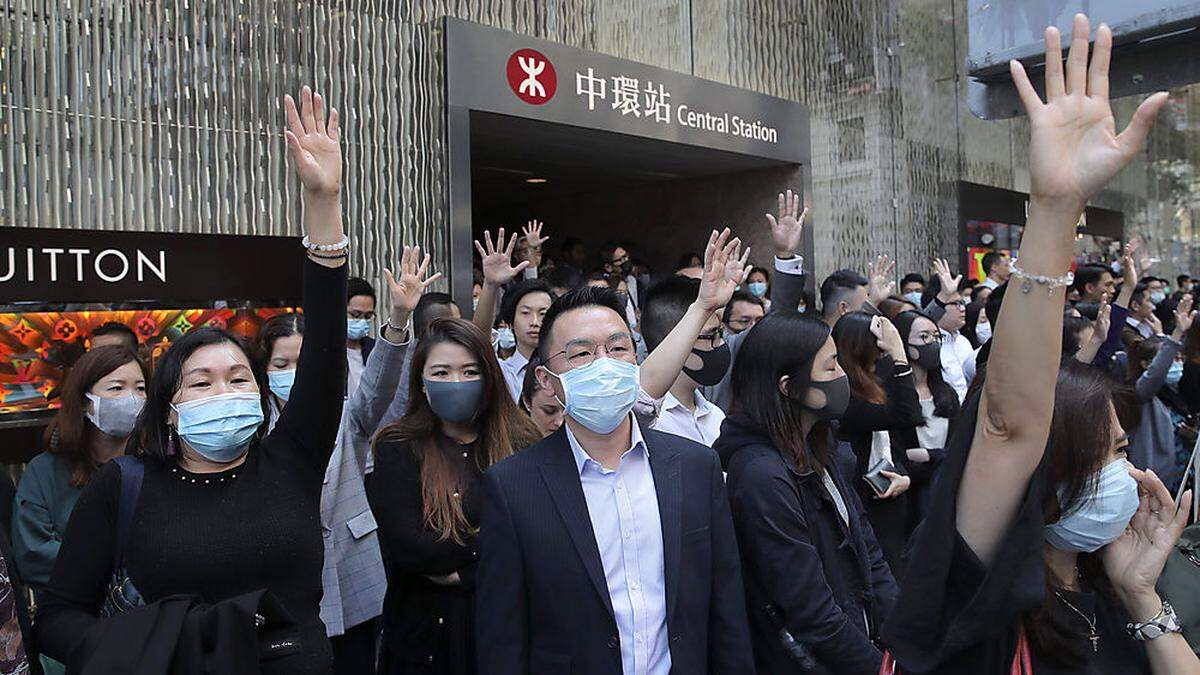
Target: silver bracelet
x,y
325,248
1028,280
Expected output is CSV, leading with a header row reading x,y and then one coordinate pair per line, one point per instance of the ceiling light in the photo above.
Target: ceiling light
x,y
536,180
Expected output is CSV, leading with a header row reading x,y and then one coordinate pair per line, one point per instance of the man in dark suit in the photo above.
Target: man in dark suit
x,y
607,548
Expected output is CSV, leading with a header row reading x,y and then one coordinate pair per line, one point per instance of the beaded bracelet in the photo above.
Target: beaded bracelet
x,y
1051,283
339,255
340,246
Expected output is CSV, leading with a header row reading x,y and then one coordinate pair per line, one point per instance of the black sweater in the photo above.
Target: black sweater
x,y
224,534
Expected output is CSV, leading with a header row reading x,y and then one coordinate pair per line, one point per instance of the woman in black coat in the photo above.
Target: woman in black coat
x,y
884,408
810,560
424,494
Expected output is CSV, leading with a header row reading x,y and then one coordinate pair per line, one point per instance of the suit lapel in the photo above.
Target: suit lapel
x,y
668,484
562,480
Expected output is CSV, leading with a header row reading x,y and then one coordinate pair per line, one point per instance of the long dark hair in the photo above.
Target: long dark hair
x,y
945,399
68,434
858,353
1191,343
784,342
503,429
1080,437
153,436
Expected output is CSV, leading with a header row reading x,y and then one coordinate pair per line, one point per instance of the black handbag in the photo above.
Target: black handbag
x,y
121,594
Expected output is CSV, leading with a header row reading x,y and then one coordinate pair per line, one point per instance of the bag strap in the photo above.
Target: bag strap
x,y
132,471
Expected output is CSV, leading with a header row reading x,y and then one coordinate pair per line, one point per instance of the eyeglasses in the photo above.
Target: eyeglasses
x,y
355,314
961,304
580,353
929,338
743,323
714,338
620,261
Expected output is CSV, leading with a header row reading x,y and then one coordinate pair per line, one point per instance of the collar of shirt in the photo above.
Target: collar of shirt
x,y
581,456
703,407
517,361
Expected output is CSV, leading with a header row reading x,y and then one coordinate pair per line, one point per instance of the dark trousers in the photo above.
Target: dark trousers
x,y
354,651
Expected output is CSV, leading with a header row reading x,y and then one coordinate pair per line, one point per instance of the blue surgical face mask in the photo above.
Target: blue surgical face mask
x,y
454,402
600,394
505,338
1100,518
357,329
220,427
757,288
914,297
1157,297
281,382
1175,374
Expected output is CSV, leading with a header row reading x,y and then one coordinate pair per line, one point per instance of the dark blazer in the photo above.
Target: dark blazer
x,y
820,576
543,604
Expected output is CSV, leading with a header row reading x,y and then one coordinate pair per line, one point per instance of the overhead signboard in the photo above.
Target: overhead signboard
x,y
497,71
1156,46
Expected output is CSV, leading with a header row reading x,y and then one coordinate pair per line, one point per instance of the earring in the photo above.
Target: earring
x,y
170,442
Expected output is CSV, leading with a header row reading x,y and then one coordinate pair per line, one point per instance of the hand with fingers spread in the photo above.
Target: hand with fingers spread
x,y
1135,560
787,229
1074,147
880,279
1102,323
497,259
949,282
725,266
531,241
409,284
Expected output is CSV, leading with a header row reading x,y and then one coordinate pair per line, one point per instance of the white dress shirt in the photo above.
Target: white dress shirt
x,y
623,507
956,349
989,282
514,373
354,370
668,414
1141,327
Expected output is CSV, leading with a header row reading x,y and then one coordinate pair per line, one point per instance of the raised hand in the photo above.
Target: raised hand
x,y
533,234
887,339
787,230
409,284
313,141
1102,323
941,269
1155,324
1184,316
497,259
725,266
1135,560
1129,268
880,280
1074,148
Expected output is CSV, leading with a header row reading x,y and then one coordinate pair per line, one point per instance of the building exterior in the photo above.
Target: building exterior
x,y
166,116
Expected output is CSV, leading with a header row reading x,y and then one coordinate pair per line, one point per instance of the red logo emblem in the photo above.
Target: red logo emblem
x,y
531,76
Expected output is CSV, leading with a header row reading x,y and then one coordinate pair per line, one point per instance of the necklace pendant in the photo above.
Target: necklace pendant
x,y
1095,640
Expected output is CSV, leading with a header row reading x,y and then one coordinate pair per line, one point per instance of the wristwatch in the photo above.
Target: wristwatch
x,y
1159,625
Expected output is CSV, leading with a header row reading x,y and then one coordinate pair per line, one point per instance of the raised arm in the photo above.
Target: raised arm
x,y
1155,376
880,282
787,233
1087,352
723,272
497,271
381,377
531,237
947,287
314,409
1074,151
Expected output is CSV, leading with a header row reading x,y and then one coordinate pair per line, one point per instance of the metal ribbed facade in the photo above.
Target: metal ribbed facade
x,y
164,116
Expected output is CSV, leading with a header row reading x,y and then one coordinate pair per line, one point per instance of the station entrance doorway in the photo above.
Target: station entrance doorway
x,y
605,150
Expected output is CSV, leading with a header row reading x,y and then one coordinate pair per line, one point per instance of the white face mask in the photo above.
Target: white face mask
x,y
983,332
116,416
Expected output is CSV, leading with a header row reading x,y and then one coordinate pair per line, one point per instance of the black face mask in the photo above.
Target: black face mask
x,y
713,366
929,356
837,398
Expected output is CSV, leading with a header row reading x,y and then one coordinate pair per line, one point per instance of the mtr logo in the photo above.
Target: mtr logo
x,y
531,76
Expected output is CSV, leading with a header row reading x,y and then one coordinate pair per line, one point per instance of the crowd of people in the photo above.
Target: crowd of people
x,y
606,470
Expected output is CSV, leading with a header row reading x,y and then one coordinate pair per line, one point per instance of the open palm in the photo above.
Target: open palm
x,y
313,141
496,258
1074,147
724,269
409,283
1136,559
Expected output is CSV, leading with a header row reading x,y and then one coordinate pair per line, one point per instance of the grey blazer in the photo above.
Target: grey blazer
x,y
353,577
